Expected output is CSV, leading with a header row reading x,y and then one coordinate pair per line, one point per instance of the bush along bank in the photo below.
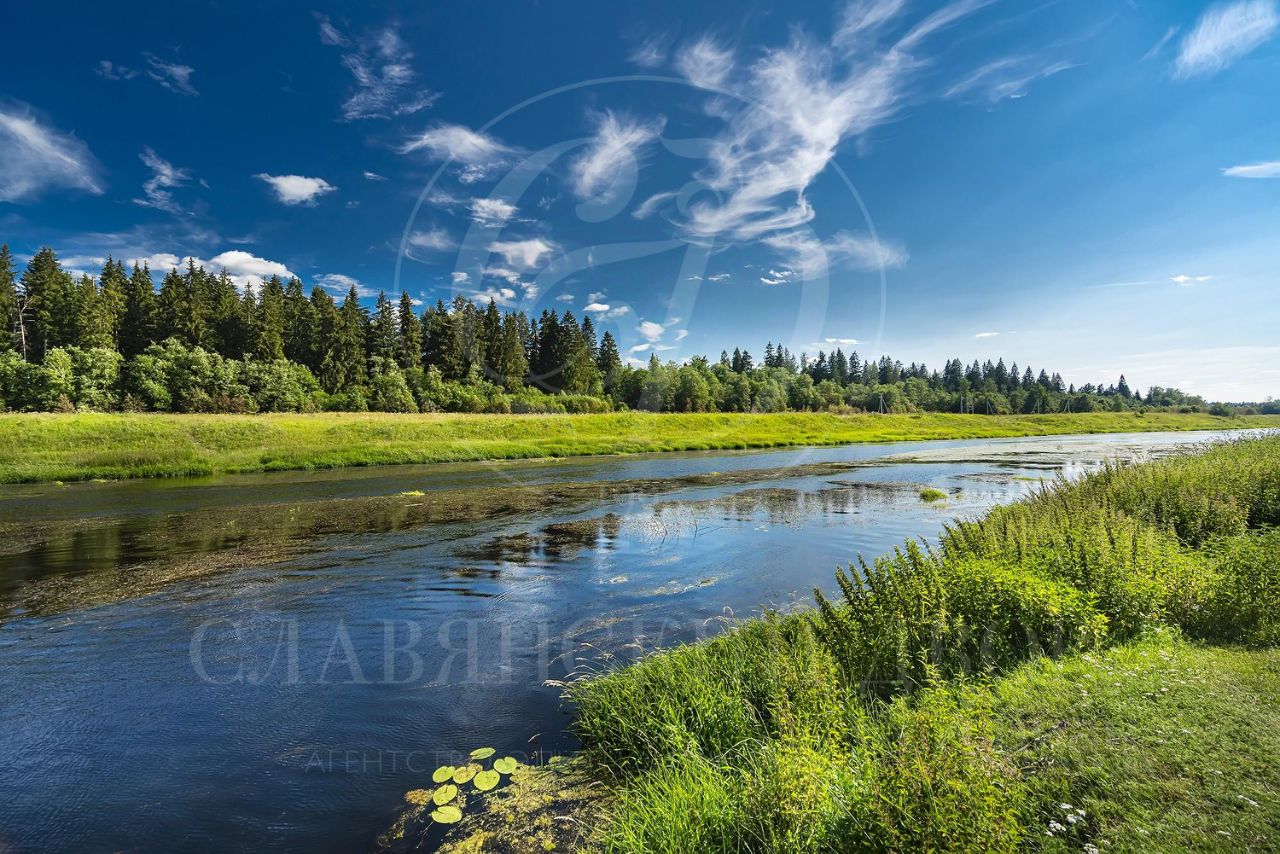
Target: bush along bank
x,y
895,714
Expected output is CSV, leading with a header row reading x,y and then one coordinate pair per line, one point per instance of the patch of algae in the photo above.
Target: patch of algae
x,y
550,807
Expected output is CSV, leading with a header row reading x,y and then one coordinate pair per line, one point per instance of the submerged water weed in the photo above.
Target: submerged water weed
x,y
930,494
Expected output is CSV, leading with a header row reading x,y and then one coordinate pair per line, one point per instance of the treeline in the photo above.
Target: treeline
x,y
200,344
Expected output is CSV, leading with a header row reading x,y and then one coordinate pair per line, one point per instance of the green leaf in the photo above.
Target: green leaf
x,y
444,794
486,780
482,752
505,765
464,774
447,815
443,773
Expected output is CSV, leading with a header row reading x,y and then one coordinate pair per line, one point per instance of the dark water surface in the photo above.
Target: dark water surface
x,y
268,662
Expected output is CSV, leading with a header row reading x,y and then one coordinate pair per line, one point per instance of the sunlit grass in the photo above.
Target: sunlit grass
x,y
43,447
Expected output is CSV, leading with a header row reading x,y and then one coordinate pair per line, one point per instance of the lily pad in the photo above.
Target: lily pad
x,y
486,780
444,794
418,797
464,774
505,765
482,752
443,773
447,814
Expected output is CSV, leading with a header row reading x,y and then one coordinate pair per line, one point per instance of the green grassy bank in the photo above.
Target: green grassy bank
x,y
1093,668
45,447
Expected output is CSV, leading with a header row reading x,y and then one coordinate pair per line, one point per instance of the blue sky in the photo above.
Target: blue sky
x,y
1091,187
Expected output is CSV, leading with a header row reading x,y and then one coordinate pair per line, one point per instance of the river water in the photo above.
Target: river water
x,y
269,662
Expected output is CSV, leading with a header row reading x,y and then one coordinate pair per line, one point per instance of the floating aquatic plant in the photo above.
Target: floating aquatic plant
x,y
464,774
486,780
443,774
446,814
482,752
444,794
418,797
505,765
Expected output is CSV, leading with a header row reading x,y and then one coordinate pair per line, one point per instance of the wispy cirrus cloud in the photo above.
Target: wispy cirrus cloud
x,y
380,63
1010,77
491,213
1225,33
610,165
477,154
341,284
799,102
174,76
296,189
811,258
1268,169
165,177
35,158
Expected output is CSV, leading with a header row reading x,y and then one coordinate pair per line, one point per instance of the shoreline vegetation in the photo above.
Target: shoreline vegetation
x,y
44,447
1092,668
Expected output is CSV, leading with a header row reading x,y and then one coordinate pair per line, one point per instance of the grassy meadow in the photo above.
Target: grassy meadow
x,y
1092,668
82,446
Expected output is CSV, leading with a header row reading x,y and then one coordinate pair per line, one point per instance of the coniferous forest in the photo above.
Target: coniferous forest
x,y
198,343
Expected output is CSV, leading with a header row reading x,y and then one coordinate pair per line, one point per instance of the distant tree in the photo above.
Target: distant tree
x,y
409,347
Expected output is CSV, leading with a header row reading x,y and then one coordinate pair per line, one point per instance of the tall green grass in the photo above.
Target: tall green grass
x,y
45,447
839,729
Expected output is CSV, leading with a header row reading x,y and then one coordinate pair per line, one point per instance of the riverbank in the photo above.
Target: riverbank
x,y
1094,668
53,447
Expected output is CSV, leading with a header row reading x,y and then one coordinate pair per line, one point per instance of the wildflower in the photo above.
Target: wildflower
x,y
1055,827
1066,807
1090,848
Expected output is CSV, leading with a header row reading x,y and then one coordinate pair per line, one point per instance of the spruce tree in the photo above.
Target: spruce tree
x,y
410,340
352,332
8,300
48,305
92,325
610,362
383,326
138,324
113,282
268,341
299,324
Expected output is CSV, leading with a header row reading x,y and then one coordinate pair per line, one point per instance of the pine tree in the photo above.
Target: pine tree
x,y
610,362
299,324
383,329
352,332
92,326
48,305
326,363
268,340
8,300
511,365
410,340
227,331
138,324
491,343
113,282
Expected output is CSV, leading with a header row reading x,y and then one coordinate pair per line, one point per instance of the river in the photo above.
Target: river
x,y
268,662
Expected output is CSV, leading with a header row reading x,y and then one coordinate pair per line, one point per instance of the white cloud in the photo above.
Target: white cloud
x,y
811,258
778,277
491,213
435,239
566,298
718,277
1269,169
35,158
842,342
478,154
385,83
650,330
1223,34
682,334
171,75
650,53
596,307
1160,45
705,63
374,176
799,103
459,277
986,335
524,254
340,283
297,189
501,296
598,296
611,160
1004,78
164,177
242,267
1185,280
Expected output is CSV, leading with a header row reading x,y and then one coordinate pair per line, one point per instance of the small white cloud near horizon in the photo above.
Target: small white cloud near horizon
x,y
296,189
244,268
1225,32
35,158
986,335
1267,169
459,277
1185,280
341,284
